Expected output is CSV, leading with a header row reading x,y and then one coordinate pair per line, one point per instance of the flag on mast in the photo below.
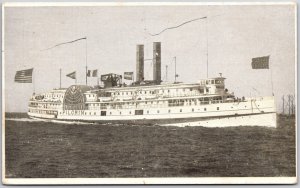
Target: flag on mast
x,y
128,75
72,75
95,73
92,73
24,76
260,62
88,74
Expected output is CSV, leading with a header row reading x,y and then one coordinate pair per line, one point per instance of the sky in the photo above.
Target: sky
x,y
232,35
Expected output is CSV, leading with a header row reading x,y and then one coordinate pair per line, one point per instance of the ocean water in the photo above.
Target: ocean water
x,y
35,149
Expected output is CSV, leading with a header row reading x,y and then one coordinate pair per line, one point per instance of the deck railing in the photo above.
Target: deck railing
x,y
141,106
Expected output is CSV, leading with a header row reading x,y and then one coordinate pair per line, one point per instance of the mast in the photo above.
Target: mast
x,y
85,75
59,78
85,60
97,77
175,68
33,84
166,72
271,76
206,49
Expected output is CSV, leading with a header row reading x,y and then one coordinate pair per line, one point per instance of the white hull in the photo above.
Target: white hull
x,y
266,120
255,112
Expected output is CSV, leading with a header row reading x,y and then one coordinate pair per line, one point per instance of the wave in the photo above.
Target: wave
x,y
97,123
70,122
92,123
23,119
44,120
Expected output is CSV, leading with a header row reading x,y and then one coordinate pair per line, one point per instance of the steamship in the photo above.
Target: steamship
x,y
153,102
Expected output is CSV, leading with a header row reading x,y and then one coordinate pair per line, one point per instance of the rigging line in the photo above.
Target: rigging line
x,y
256,90
174,27
84,38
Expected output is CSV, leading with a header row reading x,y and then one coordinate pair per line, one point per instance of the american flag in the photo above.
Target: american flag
x,y
260,62
24,76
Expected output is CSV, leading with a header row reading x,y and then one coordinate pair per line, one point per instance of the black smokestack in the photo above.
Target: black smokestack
x,y
139,63
157,62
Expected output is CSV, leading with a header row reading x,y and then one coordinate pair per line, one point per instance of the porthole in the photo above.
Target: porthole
x,y
180,110
192,109
218,108
204,109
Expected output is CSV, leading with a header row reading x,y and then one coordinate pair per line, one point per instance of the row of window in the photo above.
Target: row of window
x,y
211,82
53,96
150,104
43,111
146,92
139,112
187,101
43,105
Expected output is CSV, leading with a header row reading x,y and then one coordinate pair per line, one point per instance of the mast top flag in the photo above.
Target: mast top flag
x,y
92,73
72,75
128,75
260,62
24,76
263,63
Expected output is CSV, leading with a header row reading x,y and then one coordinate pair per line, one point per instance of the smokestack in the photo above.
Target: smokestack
x,y
139,63
157,62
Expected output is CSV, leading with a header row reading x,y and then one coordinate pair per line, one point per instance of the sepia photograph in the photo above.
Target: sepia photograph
x,y
149,93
